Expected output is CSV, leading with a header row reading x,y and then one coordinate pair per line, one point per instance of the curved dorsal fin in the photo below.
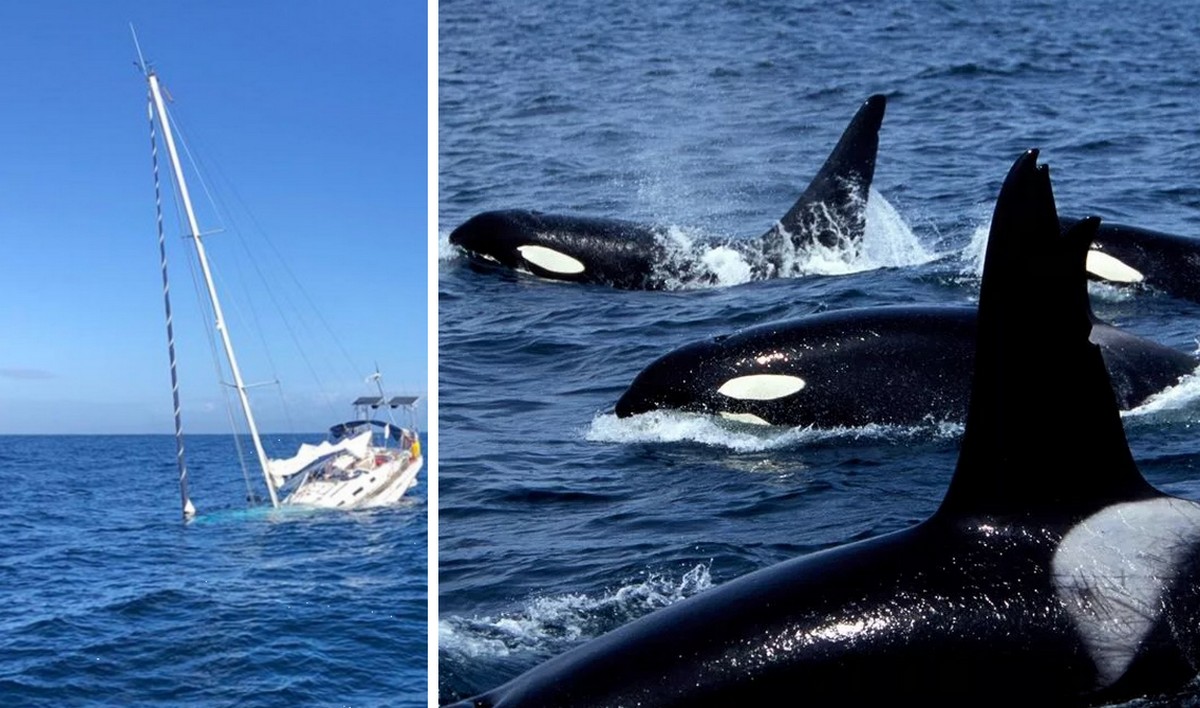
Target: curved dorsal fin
x,y
1043,429
832,208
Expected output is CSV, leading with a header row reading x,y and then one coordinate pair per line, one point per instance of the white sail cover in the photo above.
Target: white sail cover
x,y
359,446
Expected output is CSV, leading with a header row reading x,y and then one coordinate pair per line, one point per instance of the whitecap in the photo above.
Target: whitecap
x,y
549,623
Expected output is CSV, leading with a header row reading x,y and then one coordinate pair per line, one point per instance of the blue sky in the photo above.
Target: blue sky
x,y
313,114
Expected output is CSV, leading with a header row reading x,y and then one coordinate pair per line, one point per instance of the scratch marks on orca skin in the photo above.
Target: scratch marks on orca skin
x,y
1113,570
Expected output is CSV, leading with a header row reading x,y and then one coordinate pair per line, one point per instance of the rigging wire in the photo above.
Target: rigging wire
x,y
329,334
232,228
224,216
287,317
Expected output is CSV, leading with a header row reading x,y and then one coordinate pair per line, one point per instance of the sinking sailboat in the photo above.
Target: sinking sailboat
x,y
365,463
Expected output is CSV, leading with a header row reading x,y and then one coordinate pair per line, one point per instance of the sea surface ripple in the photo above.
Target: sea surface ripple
x,y
109,599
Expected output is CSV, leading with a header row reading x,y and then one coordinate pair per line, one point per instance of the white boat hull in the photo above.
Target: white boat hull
x,y
363,485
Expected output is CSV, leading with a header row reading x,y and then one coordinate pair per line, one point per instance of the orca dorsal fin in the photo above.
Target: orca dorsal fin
x,y
832,208
1043,429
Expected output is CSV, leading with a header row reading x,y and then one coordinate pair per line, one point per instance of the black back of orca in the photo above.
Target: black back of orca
x,y
622,254
900,365
1051,575
1128,254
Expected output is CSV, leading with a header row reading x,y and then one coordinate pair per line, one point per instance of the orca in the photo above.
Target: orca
x,y
1131,255
899,365
623,254
1052,573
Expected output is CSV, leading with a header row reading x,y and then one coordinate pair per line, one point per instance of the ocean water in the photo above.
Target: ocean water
x,y
109,599
557,521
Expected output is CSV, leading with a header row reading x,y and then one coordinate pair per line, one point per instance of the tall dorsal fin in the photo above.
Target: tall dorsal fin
x,y
1043,429
833,206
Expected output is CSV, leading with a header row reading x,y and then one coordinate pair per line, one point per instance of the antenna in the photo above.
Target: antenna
x,y
141,62
378,379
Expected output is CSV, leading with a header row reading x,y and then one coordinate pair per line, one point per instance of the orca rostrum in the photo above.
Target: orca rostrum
x,y
830,213
1052,574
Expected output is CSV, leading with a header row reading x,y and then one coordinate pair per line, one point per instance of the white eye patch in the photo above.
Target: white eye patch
x,y
1104,266
551,260
761,387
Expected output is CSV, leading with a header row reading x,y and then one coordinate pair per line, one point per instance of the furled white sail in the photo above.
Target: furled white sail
x,y
359,446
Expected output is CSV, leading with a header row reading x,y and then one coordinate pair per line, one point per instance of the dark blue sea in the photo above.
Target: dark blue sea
x,y
109,599
559,522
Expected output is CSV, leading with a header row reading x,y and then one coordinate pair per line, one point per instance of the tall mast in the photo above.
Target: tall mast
x,y
218,314
189,510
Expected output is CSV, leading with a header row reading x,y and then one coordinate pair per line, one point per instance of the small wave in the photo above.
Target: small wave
x,y
1110,292
551,623
255,514
1187,489
675,426
970,69
1178,402
446,250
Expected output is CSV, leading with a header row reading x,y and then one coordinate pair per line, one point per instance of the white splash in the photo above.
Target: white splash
x,y
972,255
1183,398
551,622
667,426
674,426
1108,292
691,263
887,242
464,642
446,250
727,266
